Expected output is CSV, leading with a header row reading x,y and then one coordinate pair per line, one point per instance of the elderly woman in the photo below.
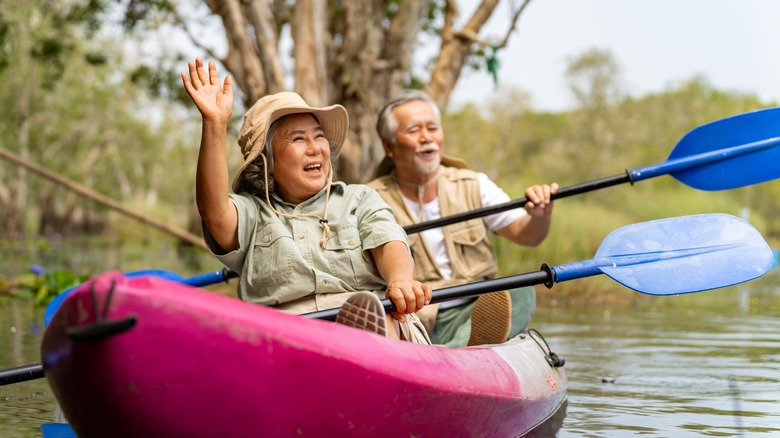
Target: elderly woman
x,y
300,241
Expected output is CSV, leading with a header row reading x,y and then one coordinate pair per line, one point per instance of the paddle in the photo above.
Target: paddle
x,y
725,154
663,257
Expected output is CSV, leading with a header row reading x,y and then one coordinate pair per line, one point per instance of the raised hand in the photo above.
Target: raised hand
x,y
214,102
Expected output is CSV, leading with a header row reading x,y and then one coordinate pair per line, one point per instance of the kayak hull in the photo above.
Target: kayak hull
x,y
148,357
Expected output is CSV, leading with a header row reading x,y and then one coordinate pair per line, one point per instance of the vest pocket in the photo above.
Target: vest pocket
x,y
271,256
473,256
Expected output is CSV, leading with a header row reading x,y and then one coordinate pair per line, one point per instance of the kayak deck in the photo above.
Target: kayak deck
x,y
194,363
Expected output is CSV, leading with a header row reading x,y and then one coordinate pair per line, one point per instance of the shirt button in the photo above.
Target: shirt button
x,y
323,283
350,242
473,237
267,239
300,236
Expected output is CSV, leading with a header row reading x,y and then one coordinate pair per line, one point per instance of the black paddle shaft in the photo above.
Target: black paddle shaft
x,y
518,203
544,276
564,192
21,374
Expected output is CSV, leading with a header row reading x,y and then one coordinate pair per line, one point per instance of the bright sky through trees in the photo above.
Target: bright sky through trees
x,y
657,43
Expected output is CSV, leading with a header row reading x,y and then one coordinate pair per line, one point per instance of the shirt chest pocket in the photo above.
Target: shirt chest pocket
x,y
344,252
272,256
473,253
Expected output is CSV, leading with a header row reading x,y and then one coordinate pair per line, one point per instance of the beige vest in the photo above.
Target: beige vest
x,y
468,245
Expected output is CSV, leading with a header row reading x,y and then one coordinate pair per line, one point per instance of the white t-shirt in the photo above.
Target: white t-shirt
x,y
490,193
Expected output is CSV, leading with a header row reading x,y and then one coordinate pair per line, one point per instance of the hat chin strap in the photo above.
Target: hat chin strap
x,y
323,220
420,188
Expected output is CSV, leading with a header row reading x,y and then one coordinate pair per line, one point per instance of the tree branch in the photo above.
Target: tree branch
x,y
309,35
242,58
513,25
470,36
399,44
456,46
451,13
267,37
454,50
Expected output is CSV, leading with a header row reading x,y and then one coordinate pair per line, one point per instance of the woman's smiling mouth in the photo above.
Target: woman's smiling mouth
x,y
313,168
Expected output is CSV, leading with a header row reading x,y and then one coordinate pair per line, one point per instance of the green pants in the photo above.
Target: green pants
x,y
453,326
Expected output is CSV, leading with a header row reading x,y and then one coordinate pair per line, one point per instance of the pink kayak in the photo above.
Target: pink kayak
x,y
146,357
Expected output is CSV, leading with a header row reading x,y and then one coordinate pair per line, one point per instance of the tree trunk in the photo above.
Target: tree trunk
x,y
362,41
309,35
267,39
242,59
354,52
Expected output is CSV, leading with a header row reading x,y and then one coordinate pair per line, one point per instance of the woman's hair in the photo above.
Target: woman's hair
x,y
254,176
386,123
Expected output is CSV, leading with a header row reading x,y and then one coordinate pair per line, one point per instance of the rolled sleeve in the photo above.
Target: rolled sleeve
x,y
376,222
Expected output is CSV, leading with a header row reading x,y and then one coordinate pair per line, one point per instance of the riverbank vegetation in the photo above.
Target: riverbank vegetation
x,y
82,108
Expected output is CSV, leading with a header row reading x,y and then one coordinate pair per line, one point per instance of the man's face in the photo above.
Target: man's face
x,y
418,143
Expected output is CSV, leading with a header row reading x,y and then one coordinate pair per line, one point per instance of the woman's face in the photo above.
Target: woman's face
x,y
301,158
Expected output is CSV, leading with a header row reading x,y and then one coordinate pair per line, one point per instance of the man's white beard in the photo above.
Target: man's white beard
x,y
426,168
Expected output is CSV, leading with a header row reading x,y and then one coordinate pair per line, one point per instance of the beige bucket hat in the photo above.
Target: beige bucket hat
x,y
251,139
386,166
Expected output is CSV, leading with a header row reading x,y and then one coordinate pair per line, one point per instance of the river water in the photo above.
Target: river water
x,y
704,364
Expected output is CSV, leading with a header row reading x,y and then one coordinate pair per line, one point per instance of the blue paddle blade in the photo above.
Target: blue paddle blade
x,y
678,255
757,163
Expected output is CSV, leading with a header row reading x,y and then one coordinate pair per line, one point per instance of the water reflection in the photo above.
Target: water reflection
x,y
698,365
705,364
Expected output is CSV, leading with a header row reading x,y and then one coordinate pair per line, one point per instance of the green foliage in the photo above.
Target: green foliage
x,y
435,17
162,79
48,32
73,103
39,286
609,132
96,124
593,77
139,13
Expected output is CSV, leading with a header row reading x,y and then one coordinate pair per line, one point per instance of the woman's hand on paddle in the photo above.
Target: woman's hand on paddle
x,y
409,296
539,203
214,102
396,266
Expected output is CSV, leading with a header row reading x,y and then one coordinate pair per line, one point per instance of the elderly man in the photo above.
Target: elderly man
x,y
422,184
